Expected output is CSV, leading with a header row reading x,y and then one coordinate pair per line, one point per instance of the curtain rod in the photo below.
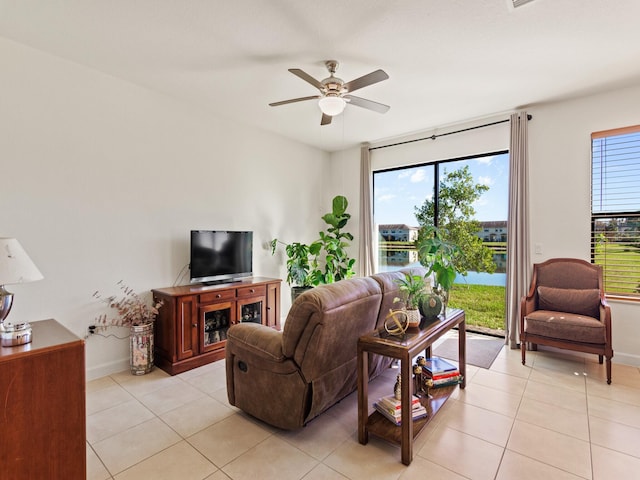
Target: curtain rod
x,y
433,137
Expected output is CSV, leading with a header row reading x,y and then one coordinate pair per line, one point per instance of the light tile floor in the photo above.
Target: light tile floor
x,y
555,418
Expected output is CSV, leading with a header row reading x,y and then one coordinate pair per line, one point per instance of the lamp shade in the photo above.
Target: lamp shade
x,y
15,264
332,105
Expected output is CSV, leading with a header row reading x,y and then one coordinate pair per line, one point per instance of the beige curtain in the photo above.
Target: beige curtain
x,y
366,243
518,252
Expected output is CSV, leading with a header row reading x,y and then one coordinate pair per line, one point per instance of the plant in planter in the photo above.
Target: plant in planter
x,y
331,261
413,288
138,316
326,259
439,257
298,266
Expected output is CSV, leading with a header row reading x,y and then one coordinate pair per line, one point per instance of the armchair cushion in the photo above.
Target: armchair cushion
x,y
565,326
570,300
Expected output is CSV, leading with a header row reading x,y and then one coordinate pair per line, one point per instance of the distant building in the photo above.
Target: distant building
x,y
495,231
398,232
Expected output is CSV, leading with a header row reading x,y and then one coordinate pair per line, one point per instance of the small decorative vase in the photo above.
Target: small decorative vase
x,y
141,348
413,318
397,388
431,306
445,302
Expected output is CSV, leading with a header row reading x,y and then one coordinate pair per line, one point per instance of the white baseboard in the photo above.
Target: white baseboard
x,y
106,369
626,359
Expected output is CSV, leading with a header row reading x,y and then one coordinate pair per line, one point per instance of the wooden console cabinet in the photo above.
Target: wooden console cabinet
x,y
42,387
191,328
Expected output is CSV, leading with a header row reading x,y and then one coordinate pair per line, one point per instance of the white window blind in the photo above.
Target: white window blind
x,y
615,208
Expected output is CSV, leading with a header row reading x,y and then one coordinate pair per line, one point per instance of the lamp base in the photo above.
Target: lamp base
x,y
12,335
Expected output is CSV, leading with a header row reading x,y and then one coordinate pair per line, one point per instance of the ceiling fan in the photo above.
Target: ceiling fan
x,y
335,93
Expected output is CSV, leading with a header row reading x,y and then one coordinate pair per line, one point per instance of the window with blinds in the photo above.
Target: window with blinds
x,y
615,208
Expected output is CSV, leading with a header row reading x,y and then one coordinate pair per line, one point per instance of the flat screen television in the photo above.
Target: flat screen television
x,y
220,256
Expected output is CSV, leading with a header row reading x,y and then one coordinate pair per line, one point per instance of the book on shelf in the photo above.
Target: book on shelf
x,y
392,402
396,417
438,366
445,382
445,375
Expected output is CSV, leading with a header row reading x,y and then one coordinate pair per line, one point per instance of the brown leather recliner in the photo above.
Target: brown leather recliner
x,y
287,378
566,308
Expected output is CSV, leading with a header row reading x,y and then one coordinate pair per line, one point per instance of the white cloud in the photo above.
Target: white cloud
x,y
386,198
486,180
418,176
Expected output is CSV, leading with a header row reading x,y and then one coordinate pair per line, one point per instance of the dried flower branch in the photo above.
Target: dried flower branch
x,y
130,308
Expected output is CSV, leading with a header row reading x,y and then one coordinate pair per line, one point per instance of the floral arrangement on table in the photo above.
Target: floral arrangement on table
x,y
132,310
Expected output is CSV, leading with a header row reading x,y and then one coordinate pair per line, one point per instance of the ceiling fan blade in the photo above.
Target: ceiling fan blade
x,y
366,80
294,100
307,78
326,119
364,103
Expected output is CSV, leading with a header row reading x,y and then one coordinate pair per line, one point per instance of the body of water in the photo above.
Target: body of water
x,y
472,278
483,278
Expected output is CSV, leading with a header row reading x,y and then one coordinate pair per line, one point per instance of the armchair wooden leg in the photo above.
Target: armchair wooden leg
x,y
523,349
600,357
608,370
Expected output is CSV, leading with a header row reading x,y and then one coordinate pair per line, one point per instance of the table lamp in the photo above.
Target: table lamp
x,y
15,267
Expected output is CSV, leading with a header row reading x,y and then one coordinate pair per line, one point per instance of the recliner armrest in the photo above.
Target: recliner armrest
x,y
257,339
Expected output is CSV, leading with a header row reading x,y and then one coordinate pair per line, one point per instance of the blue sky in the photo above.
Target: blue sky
x,y
397,192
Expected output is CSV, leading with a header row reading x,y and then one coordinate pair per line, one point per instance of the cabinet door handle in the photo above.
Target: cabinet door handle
x,y
252,290
194,325
218,296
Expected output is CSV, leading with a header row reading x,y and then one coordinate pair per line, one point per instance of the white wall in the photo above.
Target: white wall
x,y
560,169
102,181
559,150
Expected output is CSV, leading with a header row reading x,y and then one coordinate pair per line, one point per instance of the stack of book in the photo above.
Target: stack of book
x,y
441,372
391,408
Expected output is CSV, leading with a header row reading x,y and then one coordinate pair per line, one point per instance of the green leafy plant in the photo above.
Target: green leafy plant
x,y
298,262
438,256
331,261
413,288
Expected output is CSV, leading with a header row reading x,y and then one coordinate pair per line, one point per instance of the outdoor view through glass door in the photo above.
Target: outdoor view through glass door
x,y
471,208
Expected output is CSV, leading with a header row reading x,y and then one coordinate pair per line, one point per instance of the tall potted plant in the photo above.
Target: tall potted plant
x,y
325,260
331,261
136,314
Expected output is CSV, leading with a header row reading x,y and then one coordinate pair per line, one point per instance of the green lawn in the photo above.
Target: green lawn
x,y
621,262
484,305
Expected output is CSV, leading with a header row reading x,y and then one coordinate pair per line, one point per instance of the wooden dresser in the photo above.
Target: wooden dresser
x,y
42,420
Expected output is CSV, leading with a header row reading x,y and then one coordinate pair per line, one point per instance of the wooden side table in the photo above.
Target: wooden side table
x,y
405,348
42,426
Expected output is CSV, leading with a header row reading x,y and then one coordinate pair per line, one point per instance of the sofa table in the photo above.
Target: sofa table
x,y
405,348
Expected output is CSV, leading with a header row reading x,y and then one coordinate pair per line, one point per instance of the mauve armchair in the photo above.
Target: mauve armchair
x,y
566,308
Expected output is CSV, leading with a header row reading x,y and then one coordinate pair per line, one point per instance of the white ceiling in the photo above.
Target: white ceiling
x,y
448,60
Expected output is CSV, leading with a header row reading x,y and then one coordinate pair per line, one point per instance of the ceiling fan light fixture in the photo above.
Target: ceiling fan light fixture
x,y
332,105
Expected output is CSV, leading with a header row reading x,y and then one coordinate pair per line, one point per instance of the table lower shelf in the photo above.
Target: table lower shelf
x,y
380,426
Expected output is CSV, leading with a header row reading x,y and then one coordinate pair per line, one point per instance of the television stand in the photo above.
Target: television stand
x,y
192,323
220,282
